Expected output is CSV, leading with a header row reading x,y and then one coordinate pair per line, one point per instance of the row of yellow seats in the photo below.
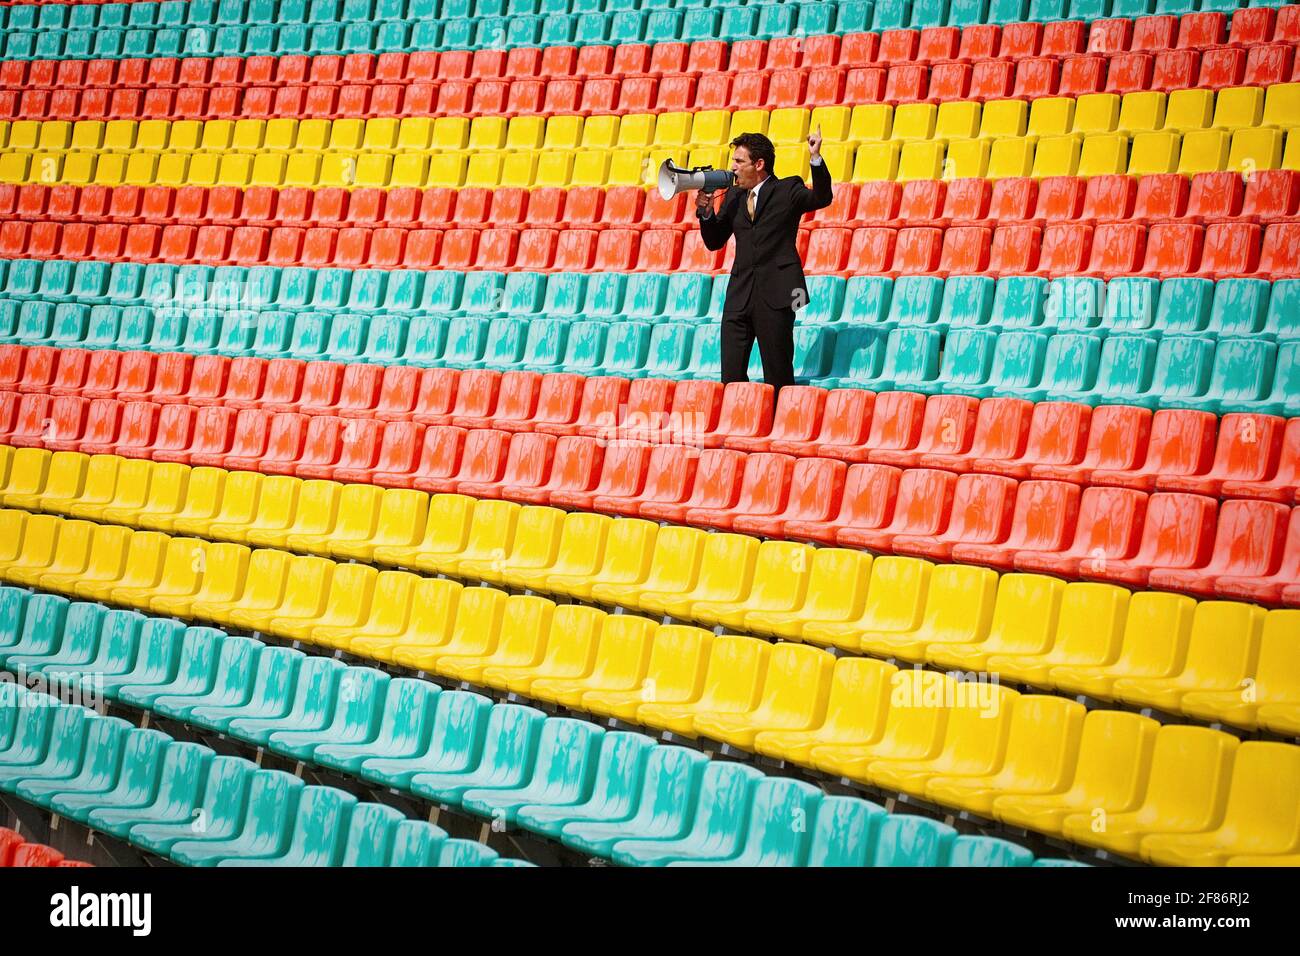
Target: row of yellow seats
x,y
1244,150
1174,795
1147,649
1181,111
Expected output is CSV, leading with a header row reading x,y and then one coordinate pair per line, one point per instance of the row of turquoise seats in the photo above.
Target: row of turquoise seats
x,y
612,794
148,789
1231,374
176,14
259,38
1177,306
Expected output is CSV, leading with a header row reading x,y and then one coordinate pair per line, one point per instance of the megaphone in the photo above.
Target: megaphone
x,y
673,179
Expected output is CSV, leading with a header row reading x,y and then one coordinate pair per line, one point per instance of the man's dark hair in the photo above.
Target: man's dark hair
x,y
760,147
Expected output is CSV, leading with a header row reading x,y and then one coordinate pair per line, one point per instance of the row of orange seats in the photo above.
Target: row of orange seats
x,y
17,852
1241,455
1168,540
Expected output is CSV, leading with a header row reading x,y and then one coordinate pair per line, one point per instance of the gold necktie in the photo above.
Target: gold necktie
x,y
751,203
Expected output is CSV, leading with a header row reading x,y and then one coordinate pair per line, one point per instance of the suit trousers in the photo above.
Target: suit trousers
x,y
774,331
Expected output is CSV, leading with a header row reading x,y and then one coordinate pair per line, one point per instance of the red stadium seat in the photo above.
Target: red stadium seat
x,y
922,507
1177,533
1043,520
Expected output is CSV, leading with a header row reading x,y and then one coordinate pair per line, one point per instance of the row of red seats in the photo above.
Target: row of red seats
x,y
1153,34
15,851
1232,249
1243,455
1263,197
1169,540
1028,78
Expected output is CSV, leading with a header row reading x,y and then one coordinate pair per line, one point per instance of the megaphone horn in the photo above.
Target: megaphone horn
x,y
673,179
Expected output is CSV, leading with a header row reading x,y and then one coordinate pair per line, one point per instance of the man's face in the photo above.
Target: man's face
x,y
747,174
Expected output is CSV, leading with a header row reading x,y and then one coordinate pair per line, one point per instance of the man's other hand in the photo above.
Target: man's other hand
x,y
815,142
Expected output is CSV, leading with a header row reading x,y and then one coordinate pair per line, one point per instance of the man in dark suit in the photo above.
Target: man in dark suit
x,y
767,282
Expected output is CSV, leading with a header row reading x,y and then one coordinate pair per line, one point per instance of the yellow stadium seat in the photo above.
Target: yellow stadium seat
x,y
967,158
399,522
875,161
1282,719
12,523
444,532
957,119
913,121
671,130
303,170
110,169
414,133
838,579
235,169
105,561
1153,153
1276,679
1024,622
284,501
168,483
24,134
353,518
870,123
203,490
792,161
4,132
1051,116
266,575
534,545
1185,793
600,132
48,546
119,134
484,168
387,618
1221,654
152,135
1157,628
578,554
796,689
30,471
1088,632
563,132
139,566
1110,776
674,565
974,741
302,597
1056,156
1042,748
490,533
202,170
918,706
186,135
554,167
638,130
449,132
571,647
79,168
741,121
347,604
47,167
920,160
590,167
1011,157
433,612
834,122
674,674
1188,109
521,132
338,169
958,610
622,657
726,572
628,167
522,640
14,167
895,601
281,134
380,134
221,578
780,579
373,169
235,510
217,136
268,169
1238,107
54,135
127,487
1103,154
839,160
414,169
1281,106
627,552
1096,113
708,128
1141,112
141,169
1256,149
248,135
719,157
1291,158
177,574
733,682
789,126
87,134
1203,151
313,135
855,713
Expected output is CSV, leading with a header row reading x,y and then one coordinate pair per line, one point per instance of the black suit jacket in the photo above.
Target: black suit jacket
x,y
767,261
